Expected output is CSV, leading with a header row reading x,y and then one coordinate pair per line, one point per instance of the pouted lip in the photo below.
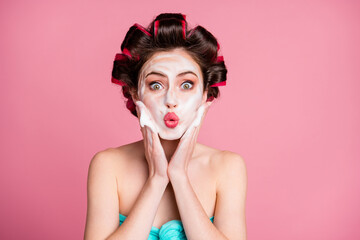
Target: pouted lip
x,y
171,120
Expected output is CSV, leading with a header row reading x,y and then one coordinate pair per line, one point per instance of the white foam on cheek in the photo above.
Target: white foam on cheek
x,y
145,118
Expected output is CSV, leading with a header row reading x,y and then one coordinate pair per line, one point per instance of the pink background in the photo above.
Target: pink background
x,y
290,109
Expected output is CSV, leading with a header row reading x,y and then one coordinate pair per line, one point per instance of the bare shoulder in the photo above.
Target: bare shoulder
x,y
222,159
232,160
116,157
232,167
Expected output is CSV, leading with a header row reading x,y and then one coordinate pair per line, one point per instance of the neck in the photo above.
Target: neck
x,y
169,147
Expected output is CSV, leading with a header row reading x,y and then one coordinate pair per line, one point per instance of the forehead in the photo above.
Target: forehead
x,y
171,62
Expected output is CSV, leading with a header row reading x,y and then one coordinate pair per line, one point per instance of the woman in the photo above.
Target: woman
x,y
167,185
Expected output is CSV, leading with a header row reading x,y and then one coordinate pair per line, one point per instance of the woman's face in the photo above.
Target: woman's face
x,y
171,82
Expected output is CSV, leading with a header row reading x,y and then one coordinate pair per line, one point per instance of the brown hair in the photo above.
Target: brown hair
x,y
167,32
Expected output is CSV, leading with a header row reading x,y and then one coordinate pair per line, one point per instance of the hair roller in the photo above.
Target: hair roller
x,y
127,52
156,27
130,104
117,81
219,59
141,28
169,30
204,43
191,32
120,57
120,61
183,23
210,99
223,83
216,75
135,37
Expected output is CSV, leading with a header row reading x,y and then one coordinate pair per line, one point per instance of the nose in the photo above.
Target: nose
x,y
170,99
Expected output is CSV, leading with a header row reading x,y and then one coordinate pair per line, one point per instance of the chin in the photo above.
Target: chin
x,y
169,136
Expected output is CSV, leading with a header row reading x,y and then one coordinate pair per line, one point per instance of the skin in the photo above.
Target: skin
x,y
170,82
178,178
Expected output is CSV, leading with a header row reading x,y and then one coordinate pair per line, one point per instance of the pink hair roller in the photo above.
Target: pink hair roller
x,y
127,52
117,81
220,59
130,105
223,83
210,99
119,57
192,31
183,22
156,26
141,28
184,28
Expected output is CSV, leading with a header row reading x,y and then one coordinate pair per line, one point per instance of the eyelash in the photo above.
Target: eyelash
x,y
188,82
156,83
152,84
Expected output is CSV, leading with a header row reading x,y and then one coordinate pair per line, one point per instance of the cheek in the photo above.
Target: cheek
x,y
153,104
192,102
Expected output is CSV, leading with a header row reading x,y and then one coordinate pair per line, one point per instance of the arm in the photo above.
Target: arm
x,y
103,205
230,215
138,225
229,218
196,223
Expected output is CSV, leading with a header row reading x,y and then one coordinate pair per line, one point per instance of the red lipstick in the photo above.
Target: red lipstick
x,y
171,120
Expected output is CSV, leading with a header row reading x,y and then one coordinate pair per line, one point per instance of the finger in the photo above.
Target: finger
x,y
149,137
145,136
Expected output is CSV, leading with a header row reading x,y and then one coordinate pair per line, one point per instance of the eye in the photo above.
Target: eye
x,y
155,86
187,85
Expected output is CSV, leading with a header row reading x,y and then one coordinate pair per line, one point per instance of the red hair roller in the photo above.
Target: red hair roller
x,y
141,28
156,26
223,83
183,24
117,81
220,59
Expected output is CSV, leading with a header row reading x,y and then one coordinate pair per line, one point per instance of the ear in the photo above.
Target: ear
x,y
204,97
134,94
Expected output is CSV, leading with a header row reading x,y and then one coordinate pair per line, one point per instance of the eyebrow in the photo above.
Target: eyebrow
x,y
179,75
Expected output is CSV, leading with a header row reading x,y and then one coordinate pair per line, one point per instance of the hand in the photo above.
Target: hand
x,y
179,162
154,152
